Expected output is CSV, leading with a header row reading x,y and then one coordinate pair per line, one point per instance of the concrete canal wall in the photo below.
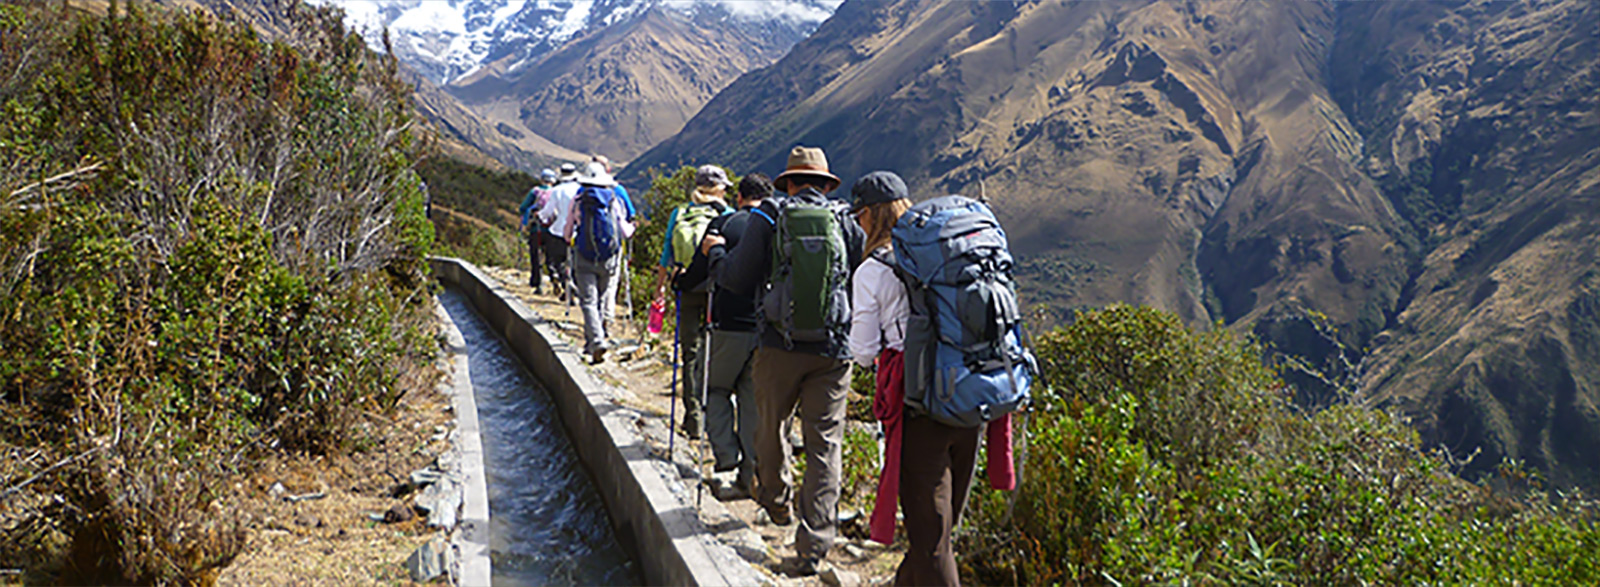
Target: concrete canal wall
x,y
658,525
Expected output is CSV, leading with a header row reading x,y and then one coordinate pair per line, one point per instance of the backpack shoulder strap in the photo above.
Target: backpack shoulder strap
x,y
884,255
762,213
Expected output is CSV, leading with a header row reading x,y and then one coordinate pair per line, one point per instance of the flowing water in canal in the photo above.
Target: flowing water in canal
x,y
547,525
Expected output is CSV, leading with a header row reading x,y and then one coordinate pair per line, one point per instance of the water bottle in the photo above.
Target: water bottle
x,y
658,315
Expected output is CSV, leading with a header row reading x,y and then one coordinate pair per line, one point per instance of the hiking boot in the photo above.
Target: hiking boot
x,y
805,567
729,491
690,430
779,514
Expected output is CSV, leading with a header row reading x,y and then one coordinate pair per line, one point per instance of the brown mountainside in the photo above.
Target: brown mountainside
x,y
1256,163
1483,120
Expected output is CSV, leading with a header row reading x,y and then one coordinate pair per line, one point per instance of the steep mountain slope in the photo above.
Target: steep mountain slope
x,y
1190,155
464,130
1116,139
1484,125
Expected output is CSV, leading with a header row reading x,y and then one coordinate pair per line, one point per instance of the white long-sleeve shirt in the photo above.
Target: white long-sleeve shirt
x,y
556,208
878,311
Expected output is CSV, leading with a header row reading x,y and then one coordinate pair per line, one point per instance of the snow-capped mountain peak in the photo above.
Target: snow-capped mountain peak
x,y
447,40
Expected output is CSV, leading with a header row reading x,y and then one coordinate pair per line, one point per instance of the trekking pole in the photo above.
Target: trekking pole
x,y
705,384
672,414
627,285
568,282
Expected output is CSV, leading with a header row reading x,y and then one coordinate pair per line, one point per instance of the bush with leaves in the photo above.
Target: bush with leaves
x,y
1159,454
211,246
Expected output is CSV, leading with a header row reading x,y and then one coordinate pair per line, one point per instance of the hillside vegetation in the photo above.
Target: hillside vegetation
x,y
211,248
475,211
1157,455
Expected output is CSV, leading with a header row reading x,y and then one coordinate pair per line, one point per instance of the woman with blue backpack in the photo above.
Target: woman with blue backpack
x,y
596,225
903,312
927,465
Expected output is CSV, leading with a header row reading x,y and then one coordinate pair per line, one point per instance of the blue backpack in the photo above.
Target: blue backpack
x,y
596,237
965,363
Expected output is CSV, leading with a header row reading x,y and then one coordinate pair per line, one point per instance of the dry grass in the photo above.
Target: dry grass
x,y
331,541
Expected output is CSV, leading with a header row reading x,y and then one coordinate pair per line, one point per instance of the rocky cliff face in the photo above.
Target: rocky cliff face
x,y
1483,126
1395,167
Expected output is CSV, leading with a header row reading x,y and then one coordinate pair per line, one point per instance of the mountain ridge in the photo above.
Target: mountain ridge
x,y
586,76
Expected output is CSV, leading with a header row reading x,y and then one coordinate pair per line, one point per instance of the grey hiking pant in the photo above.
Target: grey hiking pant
x,y
819,385
691,333
593,279
731,413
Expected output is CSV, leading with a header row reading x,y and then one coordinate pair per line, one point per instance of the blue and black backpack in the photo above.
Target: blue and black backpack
x,y
596,236
965,363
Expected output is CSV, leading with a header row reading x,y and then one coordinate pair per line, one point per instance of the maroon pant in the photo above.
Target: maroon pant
x,y
936,464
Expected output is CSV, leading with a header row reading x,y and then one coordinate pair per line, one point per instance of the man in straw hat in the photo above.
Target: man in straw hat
x,y
810,368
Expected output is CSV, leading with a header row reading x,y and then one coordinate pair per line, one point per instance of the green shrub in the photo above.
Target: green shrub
x,y
211,246
1158,454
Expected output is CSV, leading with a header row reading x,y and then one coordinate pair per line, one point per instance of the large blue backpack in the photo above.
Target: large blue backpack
x,y
596,237
965,363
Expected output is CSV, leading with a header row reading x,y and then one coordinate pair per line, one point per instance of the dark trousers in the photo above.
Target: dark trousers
x,y
536,237
691,334
936,465
555,258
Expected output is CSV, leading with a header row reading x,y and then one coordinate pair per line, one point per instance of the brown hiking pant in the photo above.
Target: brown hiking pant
x,y
820,386
936,464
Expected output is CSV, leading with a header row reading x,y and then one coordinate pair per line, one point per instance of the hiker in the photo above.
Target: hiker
x,y
731,416
617,276
596,225
534,230
927,465
685,229
944,284
554,214
796,260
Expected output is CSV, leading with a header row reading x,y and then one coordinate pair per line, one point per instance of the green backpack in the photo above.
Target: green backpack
x,y
809,297
689,228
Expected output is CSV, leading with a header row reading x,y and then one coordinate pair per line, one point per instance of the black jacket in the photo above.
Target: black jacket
x,y
729,311
749,265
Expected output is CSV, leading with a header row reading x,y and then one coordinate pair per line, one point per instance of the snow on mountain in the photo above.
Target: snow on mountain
x,y
447,40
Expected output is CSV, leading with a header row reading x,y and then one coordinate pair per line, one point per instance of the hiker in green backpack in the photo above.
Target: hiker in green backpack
x,y
795,259
685,229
